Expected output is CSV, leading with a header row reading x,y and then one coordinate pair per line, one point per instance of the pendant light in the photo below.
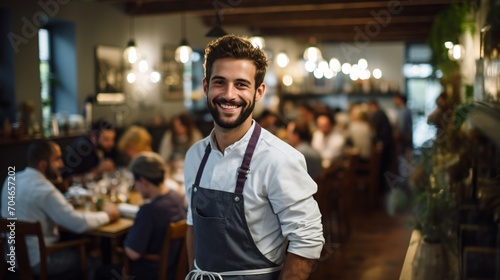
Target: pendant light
x,y
130,54
183,52
312,53
217,30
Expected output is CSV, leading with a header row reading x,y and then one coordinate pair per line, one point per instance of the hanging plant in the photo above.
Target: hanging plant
x,y
448,25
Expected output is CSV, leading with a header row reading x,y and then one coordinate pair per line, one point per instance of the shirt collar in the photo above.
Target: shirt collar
x,y
236,144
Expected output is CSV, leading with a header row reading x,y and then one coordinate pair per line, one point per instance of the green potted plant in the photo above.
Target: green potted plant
x,y
434,214
448,26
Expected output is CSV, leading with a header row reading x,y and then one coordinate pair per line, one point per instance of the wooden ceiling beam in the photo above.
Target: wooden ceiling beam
x,y
198,7
291,23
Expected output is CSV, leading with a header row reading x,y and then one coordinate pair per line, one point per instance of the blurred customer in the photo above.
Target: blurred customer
x,y
135,139
299,137
442,115
37,200
359,132
94,153
326,140
404,127
307,114
272,123
152,220
179,138
382,134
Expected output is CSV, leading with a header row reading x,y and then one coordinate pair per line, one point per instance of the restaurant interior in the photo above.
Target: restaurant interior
x,y
429,210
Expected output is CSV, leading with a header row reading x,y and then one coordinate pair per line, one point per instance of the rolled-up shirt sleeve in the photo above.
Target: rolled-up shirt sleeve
x,y
291,195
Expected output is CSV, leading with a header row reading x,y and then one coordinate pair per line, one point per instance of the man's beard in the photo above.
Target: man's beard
x,y
52,174
245,113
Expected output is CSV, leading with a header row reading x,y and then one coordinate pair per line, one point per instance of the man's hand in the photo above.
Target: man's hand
x,y
296,268
112,211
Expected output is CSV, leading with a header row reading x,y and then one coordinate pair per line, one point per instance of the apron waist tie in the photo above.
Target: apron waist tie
x,y
197,273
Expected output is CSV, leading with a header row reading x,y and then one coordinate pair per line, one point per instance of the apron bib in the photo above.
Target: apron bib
x,y
224,247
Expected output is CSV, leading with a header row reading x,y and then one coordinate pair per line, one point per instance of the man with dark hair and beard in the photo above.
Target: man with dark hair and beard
x,y
248,191
37,200
93,153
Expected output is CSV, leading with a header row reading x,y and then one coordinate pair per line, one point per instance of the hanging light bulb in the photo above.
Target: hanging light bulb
x,y
335,65
346,68
183,52
456,52
155,77
287,80
310,66
131,78
282,59
363,64
131,54
312,54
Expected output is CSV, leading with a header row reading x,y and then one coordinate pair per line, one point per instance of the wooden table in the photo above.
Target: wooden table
x,y
114,232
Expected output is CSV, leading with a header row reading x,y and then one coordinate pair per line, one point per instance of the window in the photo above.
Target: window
x,y
46,76
58,79
422,90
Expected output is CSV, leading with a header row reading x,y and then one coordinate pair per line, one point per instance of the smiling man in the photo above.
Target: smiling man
x,y
248,191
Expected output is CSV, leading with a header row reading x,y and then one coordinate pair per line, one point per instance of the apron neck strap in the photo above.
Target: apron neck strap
x,y
245,165
243,170
202,165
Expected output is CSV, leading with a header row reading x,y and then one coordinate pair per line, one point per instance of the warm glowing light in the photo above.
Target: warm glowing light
x,y
131,78
312,54
318,73
323,65
335,65
310,66
364,74
363,64
448,44
377,73
282,60
328,73
155,77
354,75
346,68
287,80
183,53
456,52
131,54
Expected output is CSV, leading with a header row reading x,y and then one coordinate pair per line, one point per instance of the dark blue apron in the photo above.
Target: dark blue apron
x,y
224,248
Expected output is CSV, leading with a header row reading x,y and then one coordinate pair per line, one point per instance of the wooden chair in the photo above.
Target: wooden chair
x,y
365,175
175,231
23,270
331,205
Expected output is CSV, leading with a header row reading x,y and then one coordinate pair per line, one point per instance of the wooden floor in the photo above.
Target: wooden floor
x,y
375,249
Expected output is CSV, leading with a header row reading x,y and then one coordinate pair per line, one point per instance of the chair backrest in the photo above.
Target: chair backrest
x,y
175,234
176,231
19,230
